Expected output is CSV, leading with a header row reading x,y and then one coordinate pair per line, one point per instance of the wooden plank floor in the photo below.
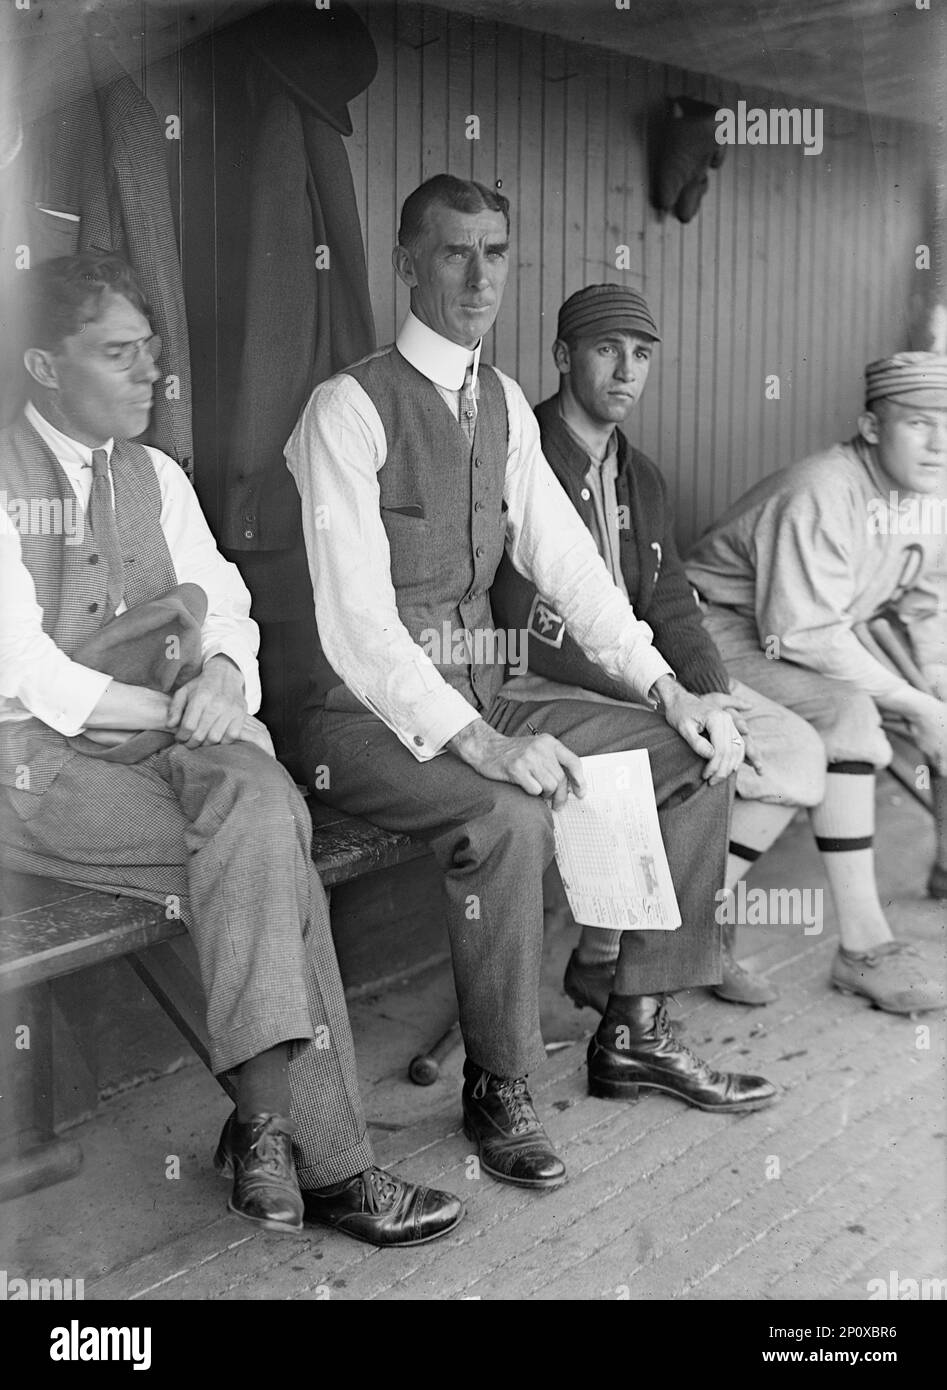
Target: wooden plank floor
x,y
840,1183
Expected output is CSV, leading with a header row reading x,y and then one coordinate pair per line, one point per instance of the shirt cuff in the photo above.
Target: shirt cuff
x,y
431,730
248,667
84,689
644,670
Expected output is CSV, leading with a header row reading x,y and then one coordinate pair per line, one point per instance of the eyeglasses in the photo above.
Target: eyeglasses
x,y
121,356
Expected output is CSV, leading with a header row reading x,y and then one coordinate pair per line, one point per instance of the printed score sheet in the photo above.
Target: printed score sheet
x,y
609,848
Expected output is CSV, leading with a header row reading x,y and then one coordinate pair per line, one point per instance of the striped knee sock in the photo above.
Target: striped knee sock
x,y
844,827
755,825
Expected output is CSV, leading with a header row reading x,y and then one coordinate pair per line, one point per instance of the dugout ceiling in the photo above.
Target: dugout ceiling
x,y
868,55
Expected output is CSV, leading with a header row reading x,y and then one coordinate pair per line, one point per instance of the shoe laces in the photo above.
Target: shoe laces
x,y
516,1098
269,1146
666,1033
880,954
380,1189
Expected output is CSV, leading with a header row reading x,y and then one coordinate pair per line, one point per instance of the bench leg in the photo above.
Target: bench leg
x,y
165,971
31,1154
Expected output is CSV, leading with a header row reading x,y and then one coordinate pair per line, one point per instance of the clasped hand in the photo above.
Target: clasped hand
x,y
211,708
712,725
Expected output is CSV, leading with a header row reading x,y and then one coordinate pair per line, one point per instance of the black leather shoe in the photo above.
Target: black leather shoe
x,y
656,1060
259,1157
588,986
500,1119
377,1207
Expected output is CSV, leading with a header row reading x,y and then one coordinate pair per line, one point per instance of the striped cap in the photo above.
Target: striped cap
x,y
909,378
598,308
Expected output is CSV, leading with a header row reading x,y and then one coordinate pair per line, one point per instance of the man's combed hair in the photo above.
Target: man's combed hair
x,y
445,190
64,294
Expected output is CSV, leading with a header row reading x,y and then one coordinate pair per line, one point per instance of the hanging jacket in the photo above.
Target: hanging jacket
x,y
292,284
91,174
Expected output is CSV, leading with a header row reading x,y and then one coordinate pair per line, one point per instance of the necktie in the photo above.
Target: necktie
x,y
468,405
105,531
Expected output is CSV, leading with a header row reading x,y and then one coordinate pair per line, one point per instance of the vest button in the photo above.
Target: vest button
x,y
478,506
93,608
479,552
419,740
585,494
93,559
477,463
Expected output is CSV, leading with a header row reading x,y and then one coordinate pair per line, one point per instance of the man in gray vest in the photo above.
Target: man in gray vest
x,y
130,759
416,467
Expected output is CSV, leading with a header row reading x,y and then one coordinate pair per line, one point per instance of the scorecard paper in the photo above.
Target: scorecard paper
x,y
609,848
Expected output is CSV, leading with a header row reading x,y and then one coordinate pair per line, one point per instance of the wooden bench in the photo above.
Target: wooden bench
x,y
49,929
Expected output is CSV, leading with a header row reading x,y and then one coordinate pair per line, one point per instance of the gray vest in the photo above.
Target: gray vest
x,y
443,511
71,582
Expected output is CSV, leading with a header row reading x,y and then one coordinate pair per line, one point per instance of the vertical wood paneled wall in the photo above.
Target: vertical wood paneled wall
x,y
796,266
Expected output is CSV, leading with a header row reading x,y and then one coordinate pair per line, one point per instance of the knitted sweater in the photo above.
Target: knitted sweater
x,y
654,576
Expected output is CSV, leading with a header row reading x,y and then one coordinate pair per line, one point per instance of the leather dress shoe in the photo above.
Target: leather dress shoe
x,y
588,986
656,1060
740,985
499,1118
937,883
259,1157
377,1207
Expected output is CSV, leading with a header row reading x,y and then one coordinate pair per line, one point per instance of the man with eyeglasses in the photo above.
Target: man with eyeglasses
x,y
130,759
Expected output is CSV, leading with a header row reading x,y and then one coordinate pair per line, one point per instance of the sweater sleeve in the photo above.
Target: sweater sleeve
x,y
550,651
673,614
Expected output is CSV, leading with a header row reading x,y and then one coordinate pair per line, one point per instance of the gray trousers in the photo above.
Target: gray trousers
x,y
493,842
223,833
847,720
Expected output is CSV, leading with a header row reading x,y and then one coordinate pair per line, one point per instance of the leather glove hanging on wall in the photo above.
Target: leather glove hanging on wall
x,y
687,148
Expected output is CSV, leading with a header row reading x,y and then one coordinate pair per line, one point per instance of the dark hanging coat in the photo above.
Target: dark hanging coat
x,y
91,174
292,279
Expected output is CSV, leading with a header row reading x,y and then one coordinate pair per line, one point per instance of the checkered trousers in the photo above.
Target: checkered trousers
x,y
223,834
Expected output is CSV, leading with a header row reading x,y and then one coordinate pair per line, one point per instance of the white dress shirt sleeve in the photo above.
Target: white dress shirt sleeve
x,y
33,670
228,628
334,453
550,544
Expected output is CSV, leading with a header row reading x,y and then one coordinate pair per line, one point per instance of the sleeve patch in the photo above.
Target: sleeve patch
x,y
545,623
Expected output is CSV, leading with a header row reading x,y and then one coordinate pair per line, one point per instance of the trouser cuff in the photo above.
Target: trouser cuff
x,y
337,1167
